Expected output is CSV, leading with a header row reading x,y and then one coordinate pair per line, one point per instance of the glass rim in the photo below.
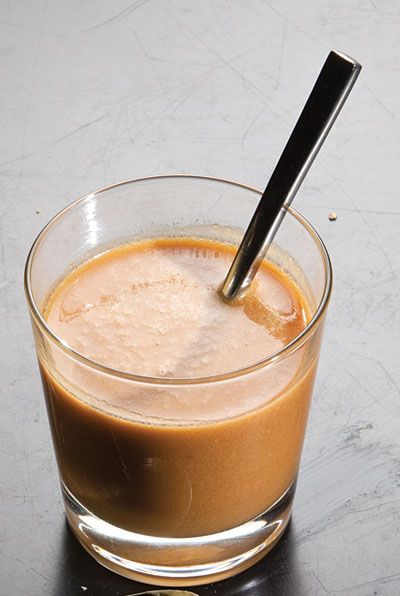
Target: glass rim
x,y
283,352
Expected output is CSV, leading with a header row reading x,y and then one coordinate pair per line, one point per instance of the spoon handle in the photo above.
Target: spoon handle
x,y
329,93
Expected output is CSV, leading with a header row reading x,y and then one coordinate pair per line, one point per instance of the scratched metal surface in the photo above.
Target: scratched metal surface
x,y
94,92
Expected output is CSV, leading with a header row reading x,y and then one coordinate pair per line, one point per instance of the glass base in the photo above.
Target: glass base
x,y
178,561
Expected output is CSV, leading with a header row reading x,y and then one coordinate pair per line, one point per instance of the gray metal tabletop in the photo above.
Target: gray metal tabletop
x,y
96,92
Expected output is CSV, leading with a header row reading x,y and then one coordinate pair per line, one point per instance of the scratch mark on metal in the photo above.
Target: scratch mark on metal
x,y
124,13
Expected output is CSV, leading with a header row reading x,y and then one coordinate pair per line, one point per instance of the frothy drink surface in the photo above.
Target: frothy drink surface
x,y
153,309
176,461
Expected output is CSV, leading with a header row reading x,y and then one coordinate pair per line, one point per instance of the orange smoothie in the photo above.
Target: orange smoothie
x,y
176,459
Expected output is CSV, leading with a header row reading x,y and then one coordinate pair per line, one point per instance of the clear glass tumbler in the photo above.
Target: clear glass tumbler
x,y
186,498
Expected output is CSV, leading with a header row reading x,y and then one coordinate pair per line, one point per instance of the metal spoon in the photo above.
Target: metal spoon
x,y
327,98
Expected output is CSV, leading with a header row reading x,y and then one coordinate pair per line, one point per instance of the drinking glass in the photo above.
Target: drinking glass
x,y
158,493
